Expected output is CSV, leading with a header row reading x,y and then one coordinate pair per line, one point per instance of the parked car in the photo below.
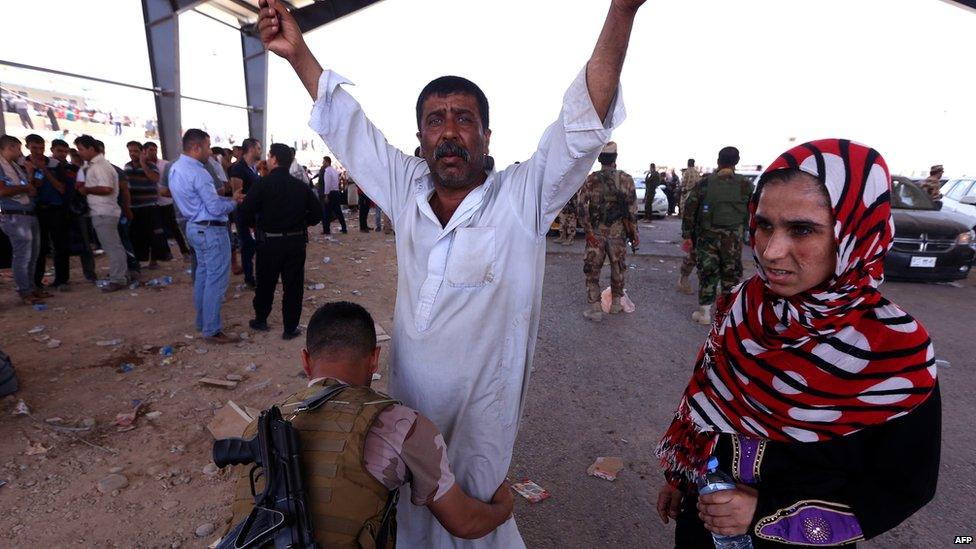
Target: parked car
x,y
959,195
929,244
659,202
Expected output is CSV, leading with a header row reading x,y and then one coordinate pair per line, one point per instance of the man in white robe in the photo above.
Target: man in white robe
x,y
470,247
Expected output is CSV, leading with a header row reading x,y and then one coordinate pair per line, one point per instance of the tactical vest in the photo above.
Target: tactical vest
x,y
348,506
612,206
726,201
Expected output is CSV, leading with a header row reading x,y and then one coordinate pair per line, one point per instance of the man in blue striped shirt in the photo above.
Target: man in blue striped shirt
x,y
192,188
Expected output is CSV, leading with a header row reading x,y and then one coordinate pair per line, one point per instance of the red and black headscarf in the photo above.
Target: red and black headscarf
x,y
818,365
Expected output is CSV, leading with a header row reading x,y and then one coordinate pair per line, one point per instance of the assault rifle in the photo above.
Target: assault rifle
x,y
280,517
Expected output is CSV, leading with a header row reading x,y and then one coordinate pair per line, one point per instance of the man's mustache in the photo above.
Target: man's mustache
x,y
450,148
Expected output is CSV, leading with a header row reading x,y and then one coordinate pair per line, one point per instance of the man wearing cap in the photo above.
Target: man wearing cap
x,y
608,201
933,183
471,245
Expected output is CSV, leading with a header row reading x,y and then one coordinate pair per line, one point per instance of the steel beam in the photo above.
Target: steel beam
x,y
315,15
163,38
255,85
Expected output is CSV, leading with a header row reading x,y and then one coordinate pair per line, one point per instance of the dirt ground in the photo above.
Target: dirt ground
x,y
53,459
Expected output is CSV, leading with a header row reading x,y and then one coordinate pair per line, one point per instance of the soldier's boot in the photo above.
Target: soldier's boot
x,y
615,306
703,315
594,312
684,285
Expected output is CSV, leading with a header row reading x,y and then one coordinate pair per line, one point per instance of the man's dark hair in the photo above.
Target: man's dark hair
x,y
59,143
100,146
340,327
282,153
34,138
416,152
607,159
194,136
8,140
446,85
134,143
248,143
216,151
148,144
728,157
691,162
326,161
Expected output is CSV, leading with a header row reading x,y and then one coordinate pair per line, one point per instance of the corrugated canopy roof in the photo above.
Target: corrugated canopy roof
x,y
310,14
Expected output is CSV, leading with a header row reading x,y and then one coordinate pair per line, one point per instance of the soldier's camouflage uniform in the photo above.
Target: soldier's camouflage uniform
x,y
933,186
567,220
608,204
689,180
717,250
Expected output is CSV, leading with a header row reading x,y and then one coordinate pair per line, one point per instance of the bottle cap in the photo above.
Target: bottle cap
x,y
712,463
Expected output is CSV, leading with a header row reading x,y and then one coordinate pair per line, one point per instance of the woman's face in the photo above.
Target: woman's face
x,y
794,235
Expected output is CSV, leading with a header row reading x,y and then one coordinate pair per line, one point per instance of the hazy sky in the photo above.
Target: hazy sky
x,y
701,74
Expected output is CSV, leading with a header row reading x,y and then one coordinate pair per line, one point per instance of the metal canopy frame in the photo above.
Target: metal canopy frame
x,y
163,36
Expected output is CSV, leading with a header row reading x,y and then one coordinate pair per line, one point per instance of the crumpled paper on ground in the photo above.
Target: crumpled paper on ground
x,y
606,468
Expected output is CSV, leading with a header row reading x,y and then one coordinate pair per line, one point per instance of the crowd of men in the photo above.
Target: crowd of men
x,y
66,201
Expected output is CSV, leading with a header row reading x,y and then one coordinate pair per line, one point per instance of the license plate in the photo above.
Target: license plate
x,y
927,262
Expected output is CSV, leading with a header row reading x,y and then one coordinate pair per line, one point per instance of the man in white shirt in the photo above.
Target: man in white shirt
x,y
330,196
470,247
101,188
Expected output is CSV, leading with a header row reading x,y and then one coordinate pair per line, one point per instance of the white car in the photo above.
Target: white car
x,y
659,202
959,195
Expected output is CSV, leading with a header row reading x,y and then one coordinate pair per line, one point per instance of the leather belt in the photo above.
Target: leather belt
x,y
210,223
282,235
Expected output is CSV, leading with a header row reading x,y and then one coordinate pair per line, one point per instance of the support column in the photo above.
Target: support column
x,y
163,38
256,85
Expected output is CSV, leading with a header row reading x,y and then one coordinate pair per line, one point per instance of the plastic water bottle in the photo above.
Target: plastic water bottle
x,y
716,480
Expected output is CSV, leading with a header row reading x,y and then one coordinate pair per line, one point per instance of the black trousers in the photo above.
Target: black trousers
x,y
364,206
54,232
284,257
168,215
333,211
148,238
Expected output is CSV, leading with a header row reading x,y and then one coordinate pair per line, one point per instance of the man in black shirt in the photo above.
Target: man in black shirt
x,y
281,207
244,173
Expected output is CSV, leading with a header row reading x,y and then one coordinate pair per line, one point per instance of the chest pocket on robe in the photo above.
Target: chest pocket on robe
x,y
471,262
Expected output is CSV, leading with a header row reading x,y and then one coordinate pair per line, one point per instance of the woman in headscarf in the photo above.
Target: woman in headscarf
x,y
816,394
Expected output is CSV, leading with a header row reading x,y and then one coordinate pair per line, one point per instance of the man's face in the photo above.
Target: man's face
x,y
36,148
86,153
453,141
59,152
134,153
151,152
254,153
10,152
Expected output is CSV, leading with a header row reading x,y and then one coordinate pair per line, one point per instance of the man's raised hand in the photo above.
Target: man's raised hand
x,y
628,5
279,30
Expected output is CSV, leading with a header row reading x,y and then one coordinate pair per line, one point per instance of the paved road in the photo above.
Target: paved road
x,y
609,389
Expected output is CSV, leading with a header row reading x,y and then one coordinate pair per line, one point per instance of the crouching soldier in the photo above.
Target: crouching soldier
x,y
356,448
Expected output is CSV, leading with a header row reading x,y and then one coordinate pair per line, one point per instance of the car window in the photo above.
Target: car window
x,y
908,196
959,190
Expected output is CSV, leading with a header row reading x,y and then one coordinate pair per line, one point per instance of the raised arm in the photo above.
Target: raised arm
x,y
281,35
604,66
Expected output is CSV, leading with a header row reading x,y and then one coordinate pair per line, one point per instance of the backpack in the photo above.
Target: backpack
x,y
725,202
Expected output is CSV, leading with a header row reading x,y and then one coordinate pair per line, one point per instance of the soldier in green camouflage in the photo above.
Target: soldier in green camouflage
x,y
689,180
608,203
567,222
712,226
